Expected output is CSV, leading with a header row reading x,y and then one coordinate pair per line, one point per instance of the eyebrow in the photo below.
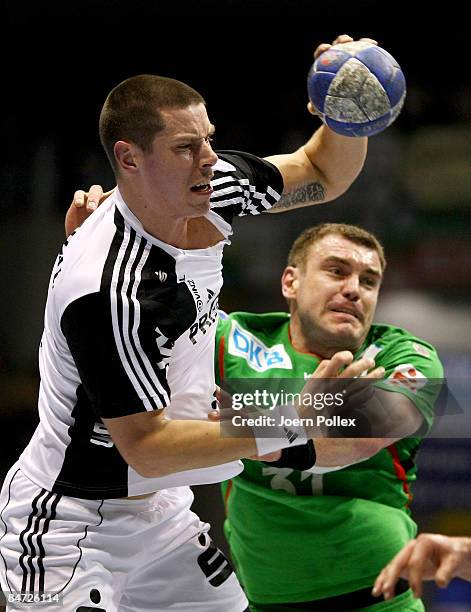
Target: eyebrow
x,y
336,259
193,137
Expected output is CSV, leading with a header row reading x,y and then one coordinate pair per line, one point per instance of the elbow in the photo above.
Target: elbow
x,y
146,449
335,189
338,184
147,470
146,464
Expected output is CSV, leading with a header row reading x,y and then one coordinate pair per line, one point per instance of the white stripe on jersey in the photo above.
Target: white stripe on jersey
x,y
246,196
137,319
274,194
222,179
259,196
249,194
132,364
225,203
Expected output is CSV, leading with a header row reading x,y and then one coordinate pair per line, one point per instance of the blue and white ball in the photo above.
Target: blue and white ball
x,y
357,88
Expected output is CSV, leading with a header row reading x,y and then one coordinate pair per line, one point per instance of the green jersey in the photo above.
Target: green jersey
x,y
299,536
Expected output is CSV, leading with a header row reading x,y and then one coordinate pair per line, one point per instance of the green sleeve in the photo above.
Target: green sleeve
x,y
413,368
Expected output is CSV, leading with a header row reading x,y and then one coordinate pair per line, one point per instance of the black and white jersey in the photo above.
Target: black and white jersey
x,y
129,326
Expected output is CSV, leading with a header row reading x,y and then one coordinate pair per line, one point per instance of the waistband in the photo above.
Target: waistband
x,y
348,602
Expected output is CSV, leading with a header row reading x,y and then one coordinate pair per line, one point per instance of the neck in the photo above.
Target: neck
x,y
168,229
301,342
180,232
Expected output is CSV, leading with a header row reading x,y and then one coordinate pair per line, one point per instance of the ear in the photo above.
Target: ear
x,y
125,154
290,282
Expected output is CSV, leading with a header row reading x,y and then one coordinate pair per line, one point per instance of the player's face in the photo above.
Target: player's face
x,y
336,294
180,166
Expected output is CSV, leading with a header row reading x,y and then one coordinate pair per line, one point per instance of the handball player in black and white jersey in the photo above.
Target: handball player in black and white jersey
x,y
97,507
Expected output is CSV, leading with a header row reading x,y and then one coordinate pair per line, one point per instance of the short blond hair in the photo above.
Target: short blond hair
x,y
297,256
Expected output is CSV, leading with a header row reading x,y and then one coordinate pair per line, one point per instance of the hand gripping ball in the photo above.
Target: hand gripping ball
x,y
357,88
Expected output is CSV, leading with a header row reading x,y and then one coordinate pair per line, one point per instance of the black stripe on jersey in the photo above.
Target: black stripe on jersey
x,y
242,195
159,311
125,302
143,376
255,186
231,189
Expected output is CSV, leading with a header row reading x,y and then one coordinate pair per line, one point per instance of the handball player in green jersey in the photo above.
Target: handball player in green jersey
x,y
316,539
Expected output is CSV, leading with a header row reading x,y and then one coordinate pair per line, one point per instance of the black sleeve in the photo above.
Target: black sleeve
x,y
119,373
244,184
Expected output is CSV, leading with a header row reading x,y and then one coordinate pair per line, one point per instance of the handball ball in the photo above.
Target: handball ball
x,y
357,88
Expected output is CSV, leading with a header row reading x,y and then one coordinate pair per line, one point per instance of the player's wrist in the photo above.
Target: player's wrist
x,y
301,457
284,429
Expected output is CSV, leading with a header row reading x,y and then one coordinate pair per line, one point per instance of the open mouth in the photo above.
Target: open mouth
x,y
203,188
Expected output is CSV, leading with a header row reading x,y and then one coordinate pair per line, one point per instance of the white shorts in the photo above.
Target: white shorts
x,y
143,555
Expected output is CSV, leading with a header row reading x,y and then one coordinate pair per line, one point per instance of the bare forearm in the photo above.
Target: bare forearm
x,y
320,170
331,452
338,159
307,195
179,445
185,445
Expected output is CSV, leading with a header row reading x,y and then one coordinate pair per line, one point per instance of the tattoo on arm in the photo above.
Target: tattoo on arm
x,y
312,192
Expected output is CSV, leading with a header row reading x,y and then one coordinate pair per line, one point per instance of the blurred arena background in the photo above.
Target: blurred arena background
x,y
249,58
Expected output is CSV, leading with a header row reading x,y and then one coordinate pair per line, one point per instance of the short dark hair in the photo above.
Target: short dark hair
x,y
131,111
298,254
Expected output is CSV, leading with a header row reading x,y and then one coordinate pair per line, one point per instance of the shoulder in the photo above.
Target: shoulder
x,y
257,171
255,321
399,346
244,184
232,161
398,337
250,344
79,268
